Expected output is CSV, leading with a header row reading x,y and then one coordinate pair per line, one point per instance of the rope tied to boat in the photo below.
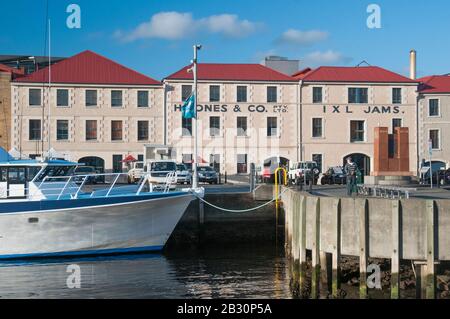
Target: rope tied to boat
x,y
240,210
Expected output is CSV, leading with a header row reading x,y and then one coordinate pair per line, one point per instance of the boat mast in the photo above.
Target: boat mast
x,y
49,86
195,161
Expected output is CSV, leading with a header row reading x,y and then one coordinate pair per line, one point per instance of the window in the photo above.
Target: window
x,y
318,159
35,130
143,131
317,130
186,125
272,94
140,158
214,126
91,130
35,97
433,107
116,130
241,124
272,123
142,98
396,96
62,97
241,95
116,98
186,91
62,130
117,163
317,95
434,138
214,93
91,97
396,123
242,163
357,133
357,95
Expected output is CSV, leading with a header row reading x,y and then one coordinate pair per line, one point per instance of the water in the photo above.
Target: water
x,y
230,273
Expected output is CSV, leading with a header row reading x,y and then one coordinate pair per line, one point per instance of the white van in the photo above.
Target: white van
x,y
159,170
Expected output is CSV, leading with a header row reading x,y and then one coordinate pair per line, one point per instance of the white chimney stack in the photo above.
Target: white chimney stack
x,y
412,65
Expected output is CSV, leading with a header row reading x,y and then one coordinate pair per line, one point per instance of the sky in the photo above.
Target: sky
x,y
155,37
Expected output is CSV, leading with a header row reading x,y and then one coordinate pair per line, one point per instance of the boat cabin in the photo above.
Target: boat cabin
x,y
17,177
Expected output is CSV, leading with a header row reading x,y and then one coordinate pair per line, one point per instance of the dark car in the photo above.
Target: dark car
x,y
444,177
207,174
81,171
334,175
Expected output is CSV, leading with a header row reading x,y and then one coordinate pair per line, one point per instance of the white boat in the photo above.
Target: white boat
x,y
46,211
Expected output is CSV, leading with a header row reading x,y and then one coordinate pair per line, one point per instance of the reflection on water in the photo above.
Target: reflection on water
x,y
238,273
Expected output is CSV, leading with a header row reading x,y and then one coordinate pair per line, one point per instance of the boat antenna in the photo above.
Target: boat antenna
x,y
46,33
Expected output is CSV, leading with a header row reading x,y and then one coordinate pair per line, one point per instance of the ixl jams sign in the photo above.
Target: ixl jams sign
x,y
371,109
224,108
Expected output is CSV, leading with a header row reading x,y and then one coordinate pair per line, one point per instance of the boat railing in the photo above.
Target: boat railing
x,y
59,187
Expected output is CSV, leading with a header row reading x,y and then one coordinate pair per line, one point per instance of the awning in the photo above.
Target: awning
x,y
129,159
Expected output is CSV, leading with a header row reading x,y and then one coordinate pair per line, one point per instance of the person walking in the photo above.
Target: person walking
x,y
350,170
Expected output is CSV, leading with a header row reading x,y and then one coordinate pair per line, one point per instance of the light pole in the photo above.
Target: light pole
x,y
194,70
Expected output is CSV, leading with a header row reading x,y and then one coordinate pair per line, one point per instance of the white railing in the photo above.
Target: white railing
x,y
60,186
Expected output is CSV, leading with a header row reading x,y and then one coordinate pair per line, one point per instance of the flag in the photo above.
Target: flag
x,y
188,109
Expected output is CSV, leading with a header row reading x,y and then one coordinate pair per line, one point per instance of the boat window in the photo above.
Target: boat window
x,y
3,174
56,171
181,167
16,175
163,166
32,172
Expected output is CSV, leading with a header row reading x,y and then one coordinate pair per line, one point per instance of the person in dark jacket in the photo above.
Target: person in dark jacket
x,y
350,170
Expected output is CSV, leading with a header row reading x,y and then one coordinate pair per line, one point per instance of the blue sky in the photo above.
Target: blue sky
x,y
155,37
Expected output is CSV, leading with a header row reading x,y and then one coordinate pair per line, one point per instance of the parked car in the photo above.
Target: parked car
x,y
444,177
81,171
136,172
334,175
300,171
207,174
158,171
269,167
183,174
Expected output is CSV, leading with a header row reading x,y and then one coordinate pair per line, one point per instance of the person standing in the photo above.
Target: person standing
x,y
350,170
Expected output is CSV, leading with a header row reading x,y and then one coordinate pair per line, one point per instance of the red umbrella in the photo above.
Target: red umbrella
x,y
200,161
129,159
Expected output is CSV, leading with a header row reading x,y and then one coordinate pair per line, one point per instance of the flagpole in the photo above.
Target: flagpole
x,y
195,161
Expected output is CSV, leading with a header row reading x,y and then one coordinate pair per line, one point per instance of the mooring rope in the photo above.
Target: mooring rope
x,y
240,210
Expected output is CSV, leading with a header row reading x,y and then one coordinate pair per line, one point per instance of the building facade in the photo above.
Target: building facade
x,y
247,113
434,120
341,106
95,112
7,74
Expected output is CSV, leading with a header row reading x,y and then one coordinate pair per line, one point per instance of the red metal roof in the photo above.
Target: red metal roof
x,y
232,72
90,68
435,84
354,74
5,68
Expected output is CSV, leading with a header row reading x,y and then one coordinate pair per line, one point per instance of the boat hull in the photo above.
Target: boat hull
x,y
115,225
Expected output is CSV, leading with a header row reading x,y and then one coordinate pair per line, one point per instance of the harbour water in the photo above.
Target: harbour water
x,y
241,272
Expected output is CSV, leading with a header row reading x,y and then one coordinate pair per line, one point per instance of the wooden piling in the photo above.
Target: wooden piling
x,y
295,240
363,247
396,250
336,254
316,251
430,270
302,247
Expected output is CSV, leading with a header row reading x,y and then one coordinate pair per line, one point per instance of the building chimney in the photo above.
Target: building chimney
x,y
412,64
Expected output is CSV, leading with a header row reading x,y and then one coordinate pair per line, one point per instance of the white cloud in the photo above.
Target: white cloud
x,y
302,38
325,58
176,25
